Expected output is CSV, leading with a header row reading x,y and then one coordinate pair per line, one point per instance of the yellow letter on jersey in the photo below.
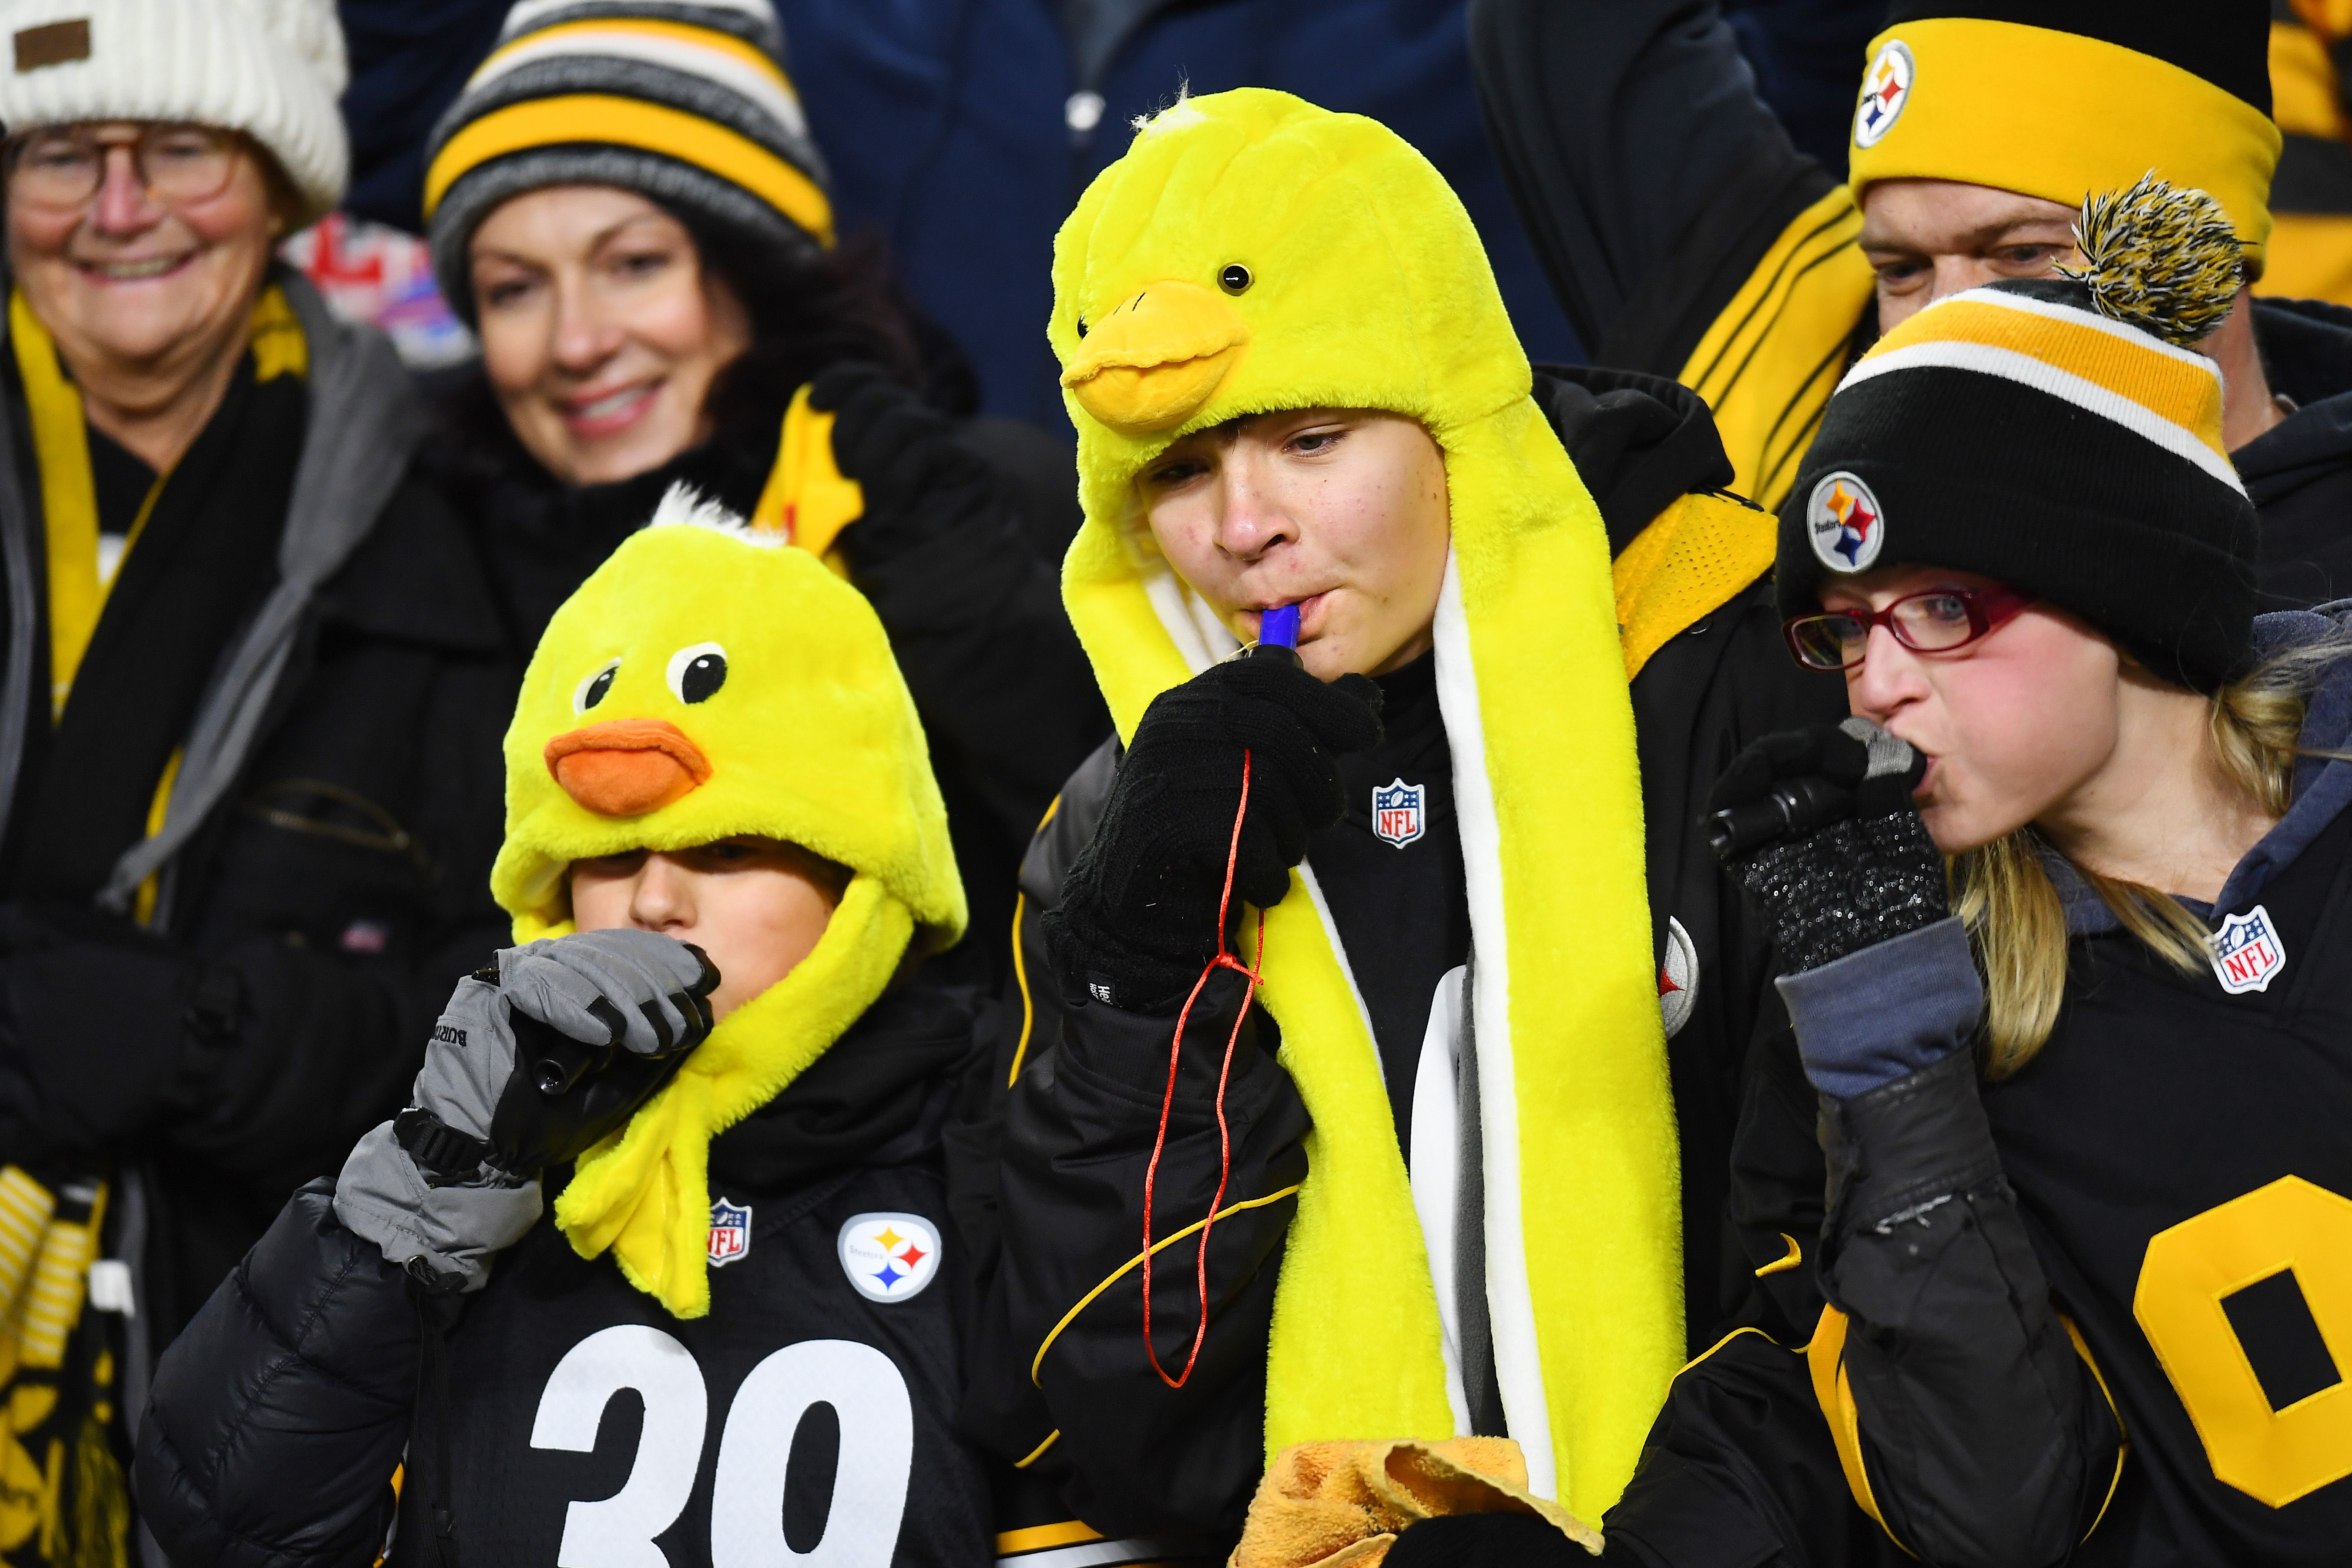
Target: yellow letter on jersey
x,y
2277,1455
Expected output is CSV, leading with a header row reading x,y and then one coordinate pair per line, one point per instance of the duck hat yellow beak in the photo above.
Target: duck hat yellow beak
x,y
1158,355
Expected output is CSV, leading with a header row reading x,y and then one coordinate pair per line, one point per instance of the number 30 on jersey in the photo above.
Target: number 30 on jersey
x,y
747,1498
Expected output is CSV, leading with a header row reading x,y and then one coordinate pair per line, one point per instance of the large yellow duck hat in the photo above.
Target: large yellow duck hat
x,y
710,679
1251,253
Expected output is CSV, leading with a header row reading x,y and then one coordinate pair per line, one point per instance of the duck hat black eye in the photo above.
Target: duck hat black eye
x,y
2058,435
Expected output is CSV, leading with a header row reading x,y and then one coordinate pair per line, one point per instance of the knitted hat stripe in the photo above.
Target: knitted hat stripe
x,y
561,76
631,122
1954,315
2027,370
753,21
689,51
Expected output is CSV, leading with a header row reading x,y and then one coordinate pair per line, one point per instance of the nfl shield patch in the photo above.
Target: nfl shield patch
x,y
2247,953
1396,812
889,1257
731,1232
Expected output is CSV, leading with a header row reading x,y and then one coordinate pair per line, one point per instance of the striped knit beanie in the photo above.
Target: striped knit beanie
x,y
685,102
2059,436
269,69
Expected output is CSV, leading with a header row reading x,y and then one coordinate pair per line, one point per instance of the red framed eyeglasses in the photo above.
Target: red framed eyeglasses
x,y
1940,620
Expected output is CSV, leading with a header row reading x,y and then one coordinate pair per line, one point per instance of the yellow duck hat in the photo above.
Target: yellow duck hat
x,y
710,679
1250,253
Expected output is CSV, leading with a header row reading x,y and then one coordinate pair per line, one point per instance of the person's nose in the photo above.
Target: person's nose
x,y
1251,518
123,207
663,901
584,337
1888,680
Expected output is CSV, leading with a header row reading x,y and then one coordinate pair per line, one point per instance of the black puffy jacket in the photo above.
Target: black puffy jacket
x,y
802,1409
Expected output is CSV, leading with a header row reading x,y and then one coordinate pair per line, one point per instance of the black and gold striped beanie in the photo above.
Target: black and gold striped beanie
x,y
2060,99
2058,434
685,102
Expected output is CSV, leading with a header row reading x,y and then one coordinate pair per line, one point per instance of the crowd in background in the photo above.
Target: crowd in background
x,y
1216,629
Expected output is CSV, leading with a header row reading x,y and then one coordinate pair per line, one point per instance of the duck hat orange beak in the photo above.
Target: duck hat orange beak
x,y
627,767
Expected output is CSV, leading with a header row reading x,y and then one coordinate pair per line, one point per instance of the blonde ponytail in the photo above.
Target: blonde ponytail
x,y
2016,920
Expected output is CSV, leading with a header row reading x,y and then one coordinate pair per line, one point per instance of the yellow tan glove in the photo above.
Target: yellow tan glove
x,y
1325,1505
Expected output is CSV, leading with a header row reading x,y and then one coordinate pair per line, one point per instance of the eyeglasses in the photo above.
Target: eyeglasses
x,y
62,168
1938,621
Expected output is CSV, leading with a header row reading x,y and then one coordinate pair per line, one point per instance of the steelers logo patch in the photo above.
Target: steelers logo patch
x,y
1885,89
889,1257
1845,522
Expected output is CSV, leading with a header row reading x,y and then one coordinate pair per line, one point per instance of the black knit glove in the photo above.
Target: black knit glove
x,y
921,485
106,1032
1137,919
1818,826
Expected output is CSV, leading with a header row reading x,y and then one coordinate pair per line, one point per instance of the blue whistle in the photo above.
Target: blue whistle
x,y
1279,626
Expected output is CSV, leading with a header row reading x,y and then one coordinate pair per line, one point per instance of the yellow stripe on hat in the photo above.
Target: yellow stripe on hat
x,y
2172,384
2059,116
593,118
2028,369
587,32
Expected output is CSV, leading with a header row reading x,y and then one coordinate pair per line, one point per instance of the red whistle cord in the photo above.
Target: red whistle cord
x,y
1224,960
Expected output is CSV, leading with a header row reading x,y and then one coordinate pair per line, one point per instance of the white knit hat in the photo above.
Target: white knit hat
x,y
270,68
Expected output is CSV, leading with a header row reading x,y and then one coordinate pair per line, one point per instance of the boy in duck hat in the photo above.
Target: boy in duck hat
x,y
681,1141
1414,1147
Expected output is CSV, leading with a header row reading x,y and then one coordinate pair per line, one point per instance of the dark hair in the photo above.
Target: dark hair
x,y
806,315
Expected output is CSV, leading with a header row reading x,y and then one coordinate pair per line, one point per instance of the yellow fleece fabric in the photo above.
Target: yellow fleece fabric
x,y
1367,286
812,737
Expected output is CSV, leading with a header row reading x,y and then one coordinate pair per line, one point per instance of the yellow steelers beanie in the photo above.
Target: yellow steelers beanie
x,y
2060,99
1250,253
706,681
2059,436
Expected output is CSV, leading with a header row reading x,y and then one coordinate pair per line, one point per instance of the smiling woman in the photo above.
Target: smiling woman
x,y
215,553
627,204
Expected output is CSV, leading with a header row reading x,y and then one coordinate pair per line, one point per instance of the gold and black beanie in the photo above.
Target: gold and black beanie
x,y
2058,434
685,103
2060,99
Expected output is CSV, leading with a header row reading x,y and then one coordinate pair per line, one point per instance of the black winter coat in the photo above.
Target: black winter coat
x,y
306,929
811,1406
1053,1145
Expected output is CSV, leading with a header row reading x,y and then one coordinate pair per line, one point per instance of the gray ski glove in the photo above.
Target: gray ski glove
x,y
537,1056
1818,826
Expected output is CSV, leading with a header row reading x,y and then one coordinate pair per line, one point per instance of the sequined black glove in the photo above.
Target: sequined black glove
x,y
1137,919
1818,826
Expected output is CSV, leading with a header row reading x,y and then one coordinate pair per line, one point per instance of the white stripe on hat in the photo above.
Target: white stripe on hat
x,y
526,13
601,38
2026,371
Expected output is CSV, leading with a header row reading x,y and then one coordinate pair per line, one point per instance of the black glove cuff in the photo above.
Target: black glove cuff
x,y
1092,966
442,1153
